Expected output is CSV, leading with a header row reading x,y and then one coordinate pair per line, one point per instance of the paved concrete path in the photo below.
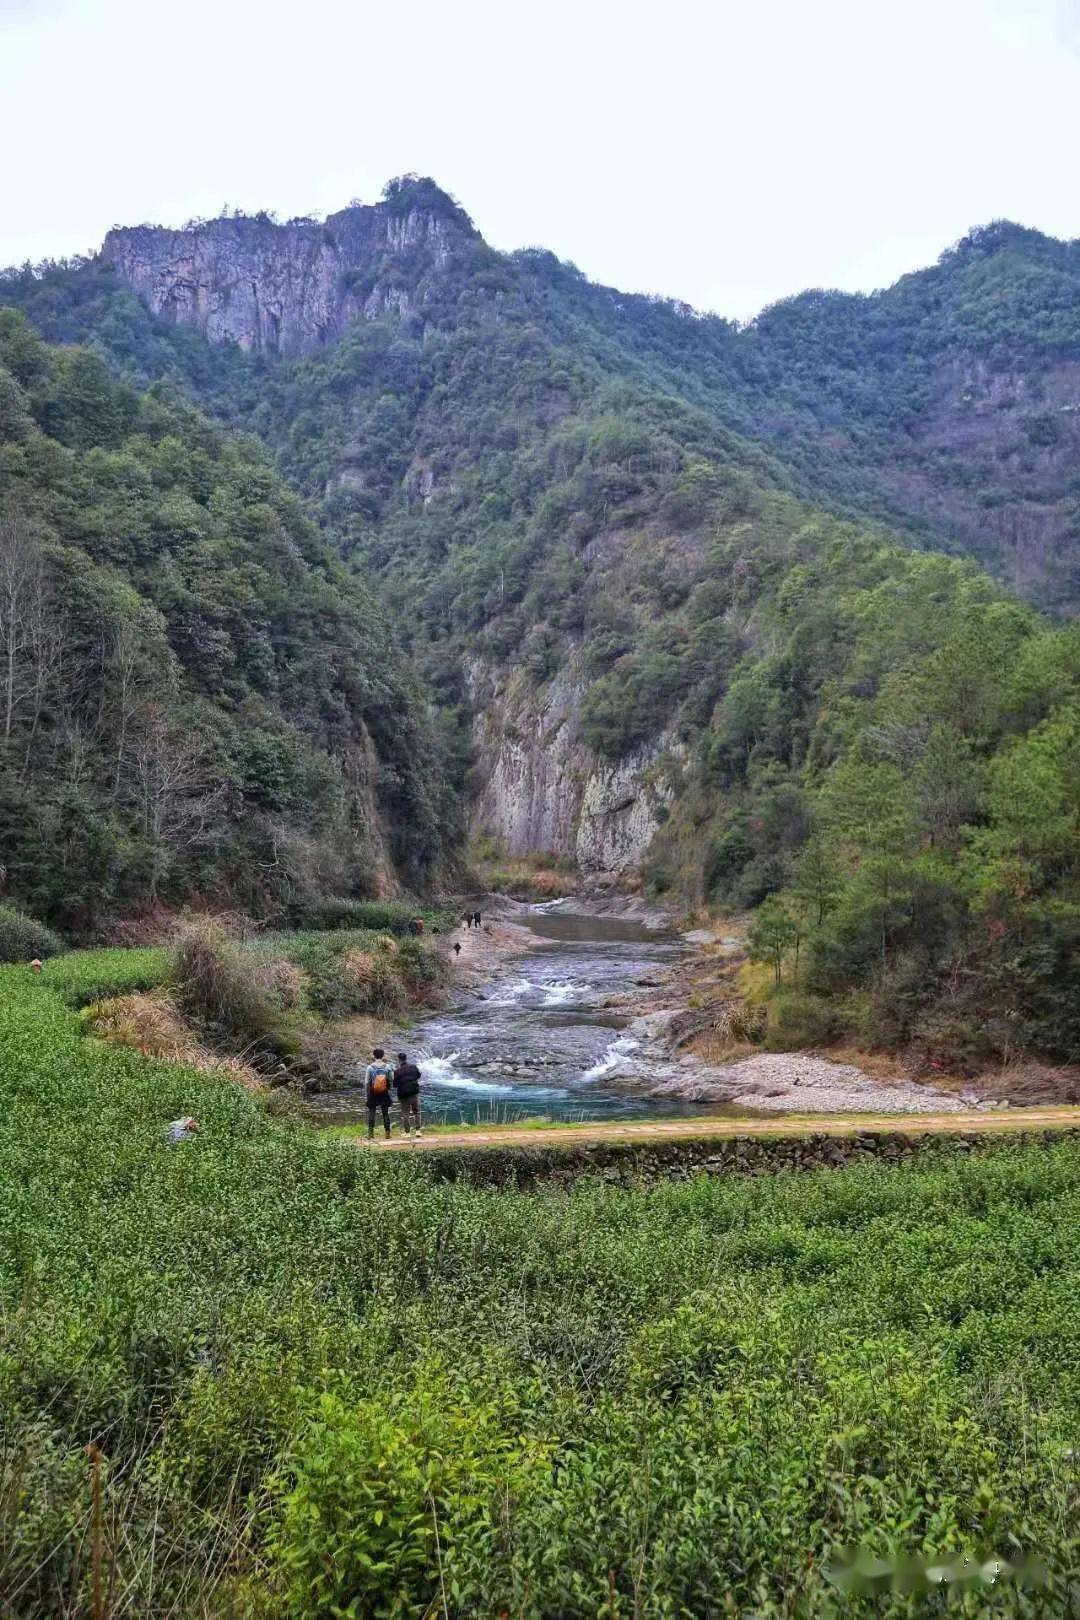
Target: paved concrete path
x,y
992,1122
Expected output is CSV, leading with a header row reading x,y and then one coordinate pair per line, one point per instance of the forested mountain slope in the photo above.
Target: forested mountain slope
x,y
948,404
195,698
661,569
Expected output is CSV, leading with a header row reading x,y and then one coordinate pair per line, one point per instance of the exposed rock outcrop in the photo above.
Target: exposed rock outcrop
x,y
1001,419
542,789
291,288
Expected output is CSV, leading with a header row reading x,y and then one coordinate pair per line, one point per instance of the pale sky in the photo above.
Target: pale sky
x,y
725,153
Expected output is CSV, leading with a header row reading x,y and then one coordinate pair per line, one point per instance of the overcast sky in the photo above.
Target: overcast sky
x,y
727,152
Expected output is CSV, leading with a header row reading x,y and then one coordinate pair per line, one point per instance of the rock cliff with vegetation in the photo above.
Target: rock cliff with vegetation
x,y
292,288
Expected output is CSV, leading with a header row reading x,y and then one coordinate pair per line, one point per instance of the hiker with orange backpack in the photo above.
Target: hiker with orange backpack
x,y
378,1081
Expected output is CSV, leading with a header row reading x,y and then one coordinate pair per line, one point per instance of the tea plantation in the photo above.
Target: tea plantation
x,y
323,1385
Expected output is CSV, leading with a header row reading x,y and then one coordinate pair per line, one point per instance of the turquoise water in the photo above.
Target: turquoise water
x,y
539,1040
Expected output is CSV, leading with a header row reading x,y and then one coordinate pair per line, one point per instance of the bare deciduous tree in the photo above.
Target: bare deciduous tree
x,y
170,782
127,687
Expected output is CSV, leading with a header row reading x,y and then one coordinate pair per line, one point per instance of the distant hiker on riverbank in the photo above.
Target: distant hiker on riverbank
x,y
466,919
476,919
457,947
378,1080
407,1086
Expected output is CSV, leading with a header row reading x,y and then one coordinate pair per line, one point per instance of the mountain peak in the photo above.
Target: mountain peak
x,y
290,288
1007,236
408,193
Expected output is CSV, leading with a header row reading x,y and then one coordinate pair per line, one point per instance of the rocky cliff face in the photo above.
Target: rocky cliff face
x,y
291,290
541,789
286,289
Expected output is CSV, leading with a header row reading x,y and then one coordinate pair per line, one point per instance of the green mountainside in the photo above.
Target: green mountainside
x,y
678,585
195,697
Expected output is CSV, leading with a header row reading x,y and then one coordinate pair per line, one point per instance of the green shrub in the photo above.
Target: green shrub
x,y
797,1019
951,1038
383,916
23,938
398,1499
422,969
223,986
354,970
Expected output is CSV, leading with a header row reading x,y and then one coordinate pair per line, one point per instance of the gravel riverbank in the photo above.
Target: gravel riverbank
x,y
649,1061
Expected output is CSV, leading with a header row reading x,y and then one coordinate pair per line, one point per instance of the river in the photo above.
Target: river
x,y
537,1039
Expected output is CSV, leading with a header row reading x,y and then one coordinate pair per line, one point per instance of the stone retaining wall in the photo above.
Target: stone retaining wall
x,y
630,1163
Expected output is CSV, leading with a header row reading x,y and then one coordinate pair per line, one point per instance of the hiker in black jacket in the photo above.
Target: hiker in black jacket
x,y
407,1086
379,1078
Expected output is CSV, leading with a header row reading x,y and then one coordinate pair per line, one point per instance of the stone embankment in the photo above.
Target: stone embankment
x,y
635,1155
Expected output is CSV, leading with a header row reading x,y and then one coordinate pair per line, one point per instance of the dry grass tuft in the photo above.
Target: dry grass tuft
x,y
219,986
358,968
1032,1082
151,1023
736,1032
524,882
284,980
717,1049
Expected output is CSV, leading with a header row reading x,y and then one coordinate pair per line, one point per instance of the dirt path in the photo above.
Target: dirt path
x,y
997,1122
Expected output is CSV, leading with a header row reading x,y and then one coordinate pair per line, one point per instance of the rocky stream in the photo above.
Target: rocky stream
x,y
572,1023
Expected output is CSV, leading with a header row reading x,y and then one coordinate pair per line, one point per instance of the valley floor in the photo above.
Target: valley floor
x,y
680,1020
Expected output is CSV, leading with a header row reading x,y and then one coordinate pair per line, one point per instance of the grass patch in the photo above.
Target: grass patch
x,y
84,976
376,916
672,1402
272,995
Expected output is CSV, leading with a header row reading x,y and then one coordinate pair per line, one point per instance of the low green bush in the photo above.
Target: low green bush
x,y
353,970
421,969
798,1019
398,1500
222,986
383,916
23,938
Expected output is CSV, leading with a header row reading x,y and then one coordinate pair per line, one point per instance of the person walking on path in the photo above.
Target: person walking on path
x,y
476,919
378,1081
407,1086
